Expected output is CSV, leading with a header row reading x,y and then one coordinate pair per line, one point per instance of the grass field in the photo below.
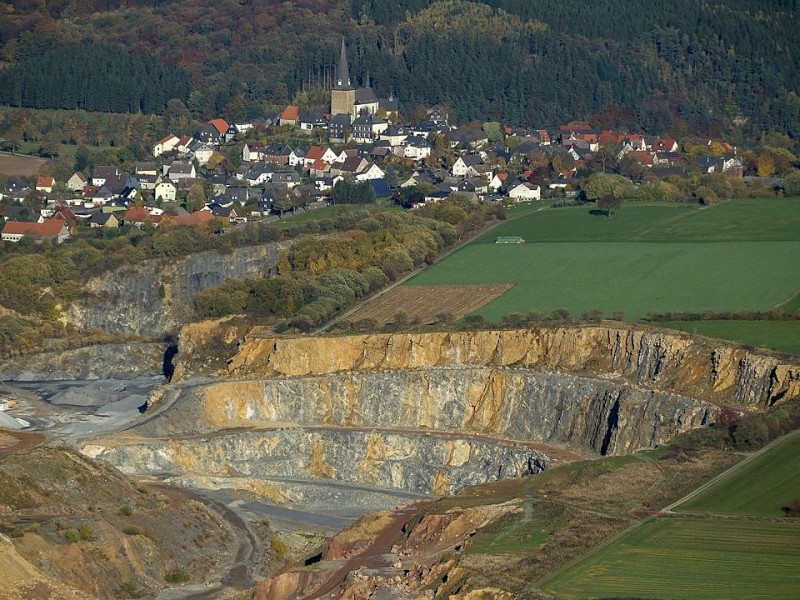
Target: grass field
x,y
760,487
778,335
646,258
691,559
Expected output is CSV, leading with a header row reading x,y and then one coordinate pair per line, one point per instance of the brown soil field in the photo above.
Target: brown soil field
x,y
24,166
422,304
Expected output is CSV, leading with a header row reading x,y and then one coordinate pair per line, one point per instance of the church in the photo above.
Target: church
x,y
348,100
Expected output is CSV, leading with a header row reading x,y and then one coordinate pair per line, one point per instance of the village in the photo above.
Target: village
x,y
361,142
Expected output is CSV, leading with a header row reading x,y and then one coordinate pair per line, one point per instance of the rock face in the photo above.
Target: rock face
x,y
154,298
657,360
434,412
125,360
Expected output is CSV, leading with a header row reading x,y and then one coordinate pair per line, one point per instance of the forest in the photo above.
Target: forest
x,y
679,66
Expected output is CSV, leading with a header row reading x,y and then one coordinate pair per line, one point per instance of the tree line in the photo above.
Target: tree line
x,y
664,66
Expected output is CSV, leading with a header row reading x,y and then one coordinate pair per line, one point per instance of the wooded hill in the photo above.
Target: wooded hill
x,y
675,66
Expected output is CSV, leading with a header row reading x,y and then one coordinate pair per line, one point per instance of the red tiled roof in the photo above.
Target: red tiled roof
x,y
138,214
320,165
44,182
196,218
164,140
219,124
642,157
49,228
291,113
316,152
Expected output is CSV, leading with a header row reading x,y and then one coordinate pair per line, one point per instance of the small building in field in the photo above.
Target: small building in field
x,y
510,239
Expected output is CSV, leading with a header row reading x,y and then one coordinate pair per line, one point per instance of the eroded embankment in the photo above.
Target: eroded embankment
x,y
434,412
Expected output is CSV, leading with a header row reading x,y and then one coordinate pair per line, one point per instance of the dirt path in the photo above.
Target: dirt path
x,y
372,556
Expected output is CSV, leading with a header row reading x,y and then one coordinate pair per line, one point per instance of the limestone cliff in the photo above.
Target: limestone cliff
x,y
154,298
660,360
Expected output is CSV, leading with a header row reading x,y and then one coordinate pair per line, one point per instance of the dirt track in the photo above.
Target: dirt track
x,y
25,441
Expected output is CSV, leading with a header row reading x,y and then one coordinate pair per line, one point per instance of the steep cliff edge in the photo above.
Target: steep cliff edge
x,y
154,298
658,360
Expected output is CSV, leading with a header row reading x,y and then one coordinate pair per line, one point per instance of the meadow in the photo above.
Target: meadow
x,y
761,487
783,336
739,255
691,559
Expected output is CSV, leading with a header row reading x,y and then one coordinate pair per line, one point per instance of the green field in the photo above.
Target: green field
x,y
646,258
691,559
778,335
761,487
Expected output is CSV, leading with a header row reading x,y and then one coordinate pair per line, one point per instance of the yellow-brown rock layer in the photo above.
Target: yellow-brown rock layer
x,y
664,360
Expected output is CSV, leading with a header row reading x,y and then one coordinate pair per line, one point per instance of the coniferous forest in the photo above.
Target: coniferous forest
x,y
665,65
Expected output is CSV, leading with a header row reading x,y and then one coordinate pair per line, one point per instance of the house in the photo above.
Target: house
x,y
290,115
227,213
665,145
166,191
184,144
146,168
213,132
367,128
350,166
54,230
181,170
316,153
497,182
198,217
371,171
203,154
462,165
525,192
277,154
297,156
311,121
102,219
139,215
288,178
148,182
252,152
102,173
395,135
45,184
165,144
339,128
416,147
77,182
642,157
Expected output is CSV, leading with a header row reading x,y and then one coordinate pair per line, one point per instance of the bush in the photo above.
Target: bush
x,y
278,549
125,510
132,530
177,576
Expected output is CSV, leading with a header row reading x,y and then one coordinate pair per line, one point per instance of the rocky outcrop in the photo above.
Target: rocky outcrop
x,y
153,298
420,463
655,359
124,360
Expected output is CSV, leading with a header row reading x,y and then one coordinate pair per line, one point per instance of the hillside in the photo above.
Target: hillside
x,y
662,66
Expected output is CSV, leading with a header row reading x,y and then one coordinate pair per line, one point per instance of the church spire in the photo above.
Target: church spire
x,y
343,79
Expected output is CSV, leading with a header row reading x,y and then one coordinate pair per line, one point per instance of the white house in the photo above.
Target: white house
x,y
416,147
373,171
525,191
181,170
203,154
166,191
462,165
166,144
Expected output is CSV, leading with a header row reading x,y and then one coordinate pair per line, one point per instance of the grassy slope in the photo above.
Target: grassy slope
x,y
761,487
701,559
692,559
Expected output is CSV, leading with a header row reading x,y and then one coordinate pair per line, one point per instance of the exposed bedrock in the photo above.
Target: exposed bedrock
x,y
153,298
675,362
434,412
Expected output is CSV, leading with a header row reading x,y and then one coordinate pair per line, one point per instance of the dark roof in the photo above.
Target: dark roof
x,y
365,95
380,187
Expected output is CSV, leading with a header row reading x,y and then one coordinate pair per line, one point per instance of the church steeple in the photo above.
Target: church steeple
x,y
343,75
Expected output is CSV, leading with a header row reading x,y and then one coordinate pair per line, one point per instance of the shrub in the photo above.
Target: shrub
x,y
278,549
177,576
125,510
132,530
